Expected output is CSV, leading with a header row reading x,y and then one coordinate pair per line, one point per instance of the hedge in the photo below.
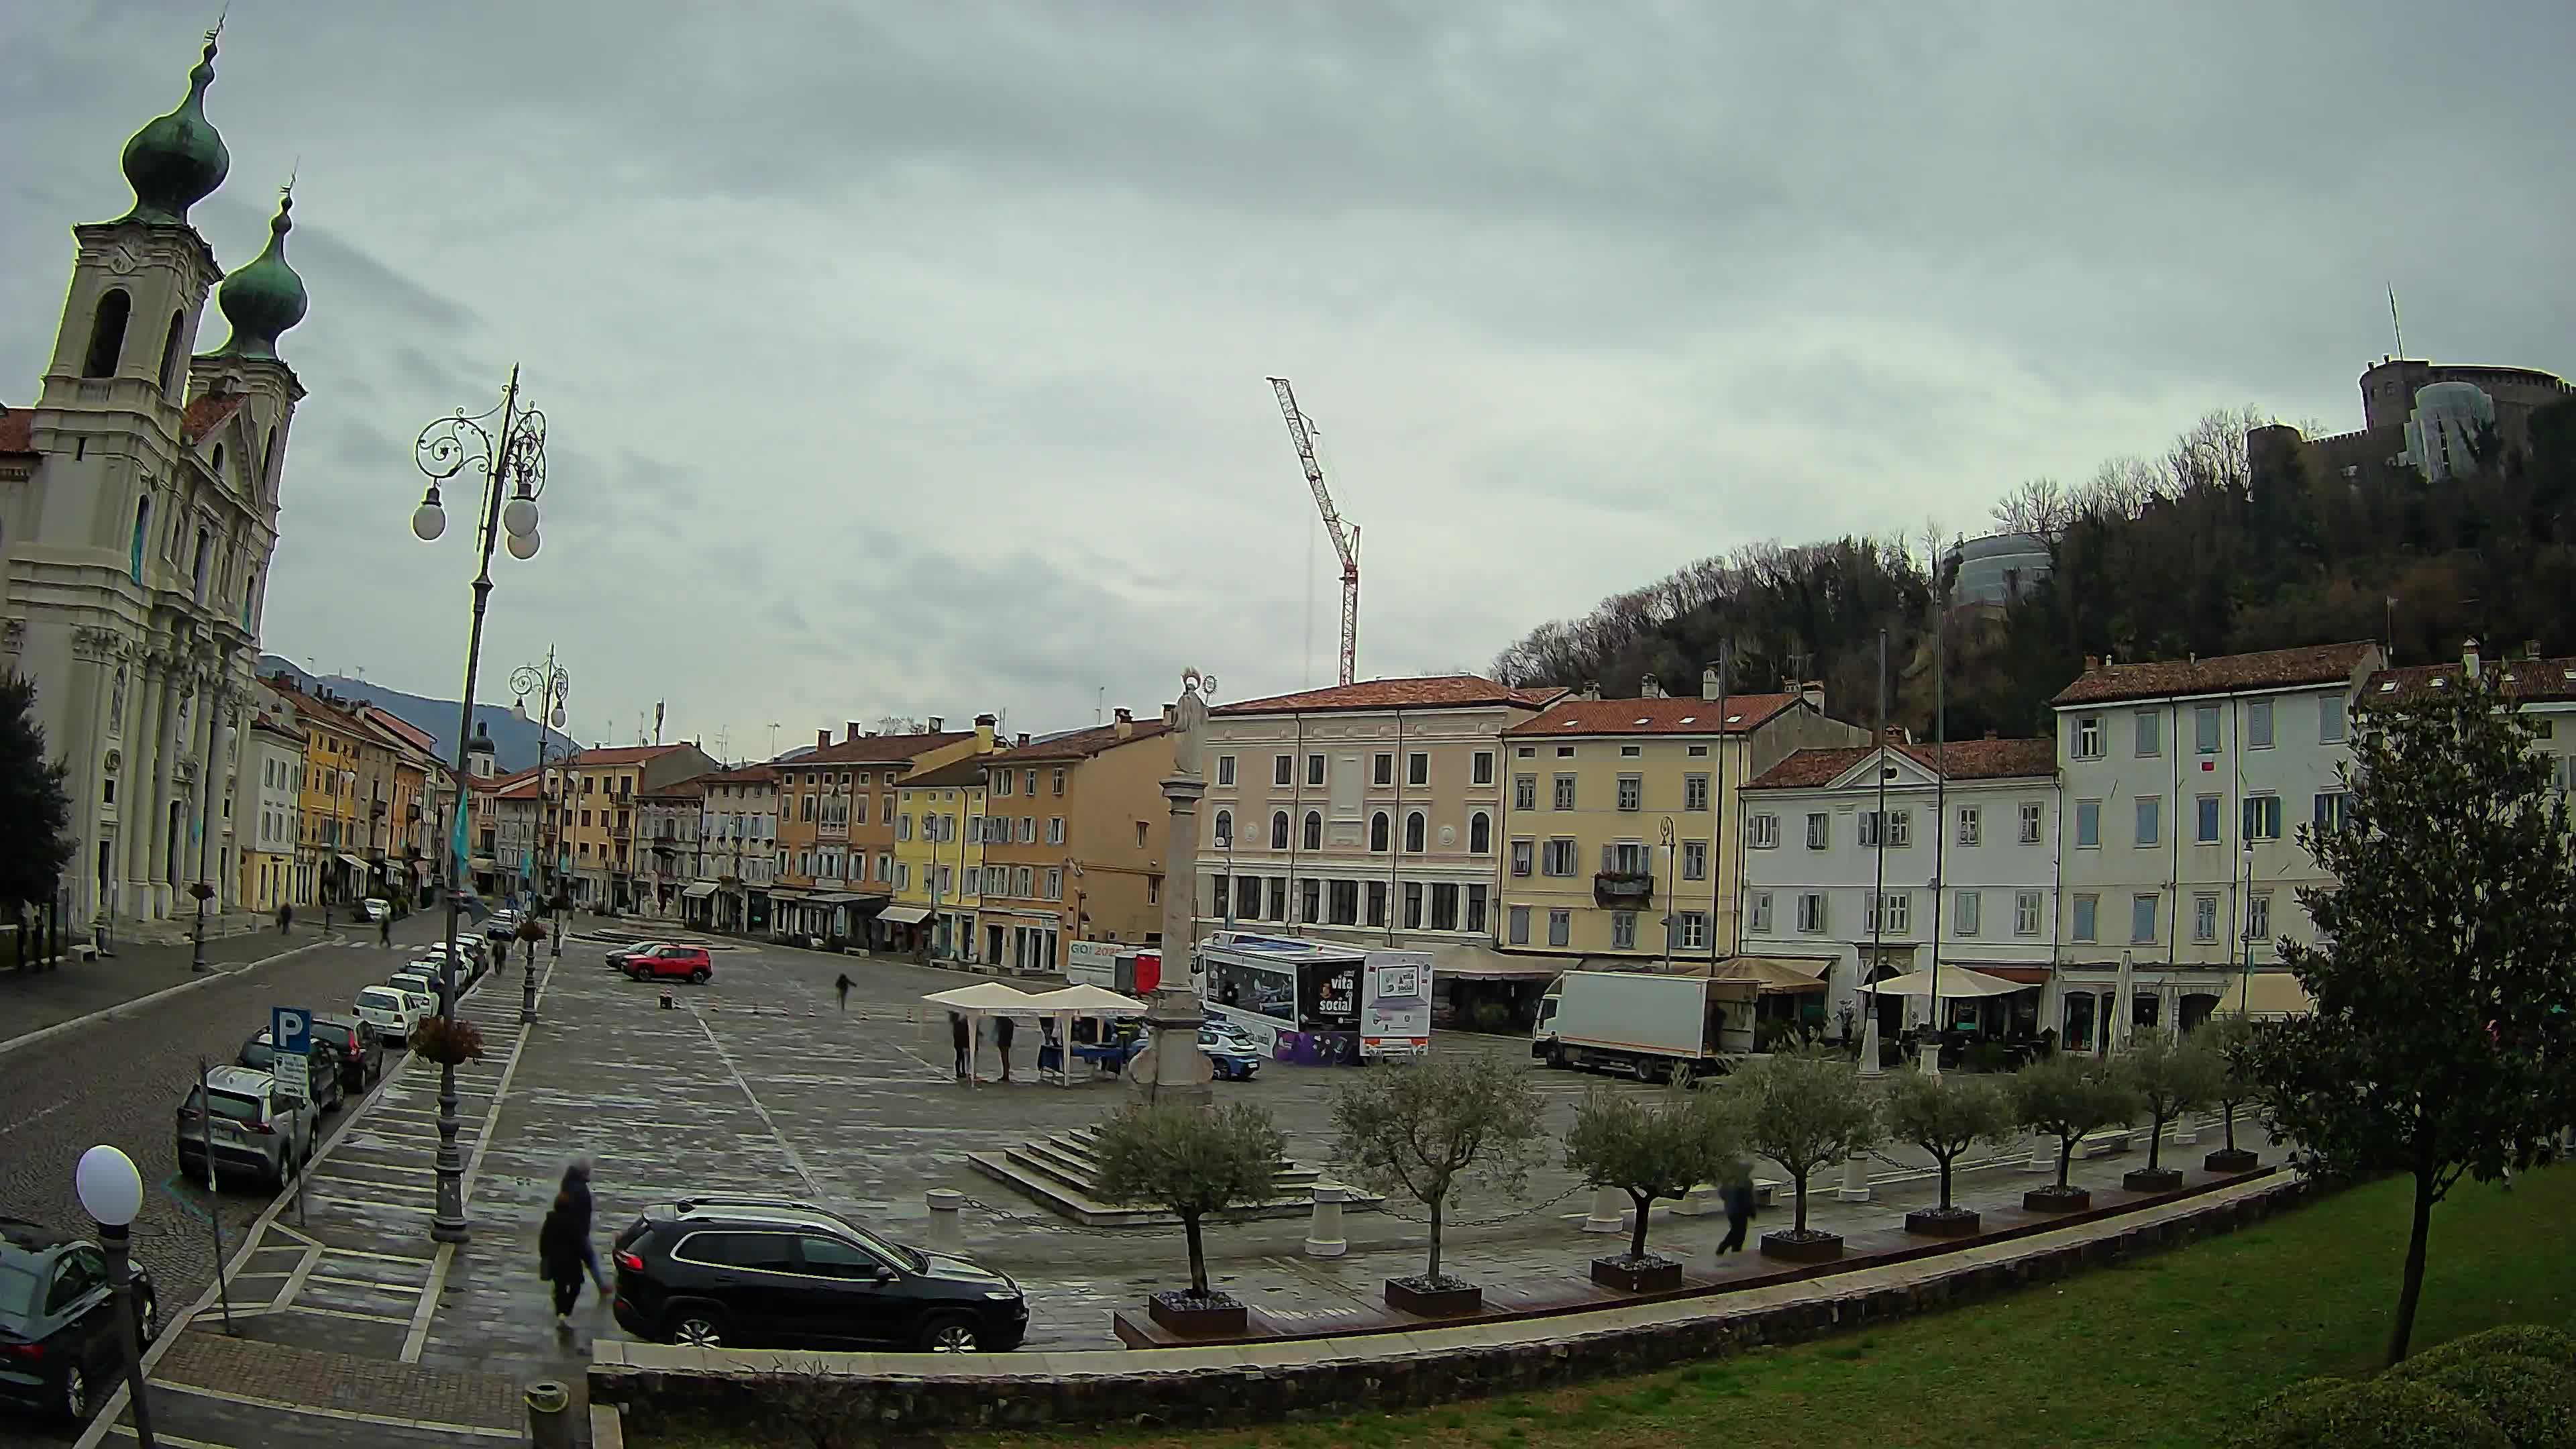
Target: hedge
x,y
2381,1413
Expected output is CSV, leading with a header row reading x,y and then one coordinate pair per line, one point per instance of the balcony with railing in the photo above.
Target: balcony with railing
x,y
1623,890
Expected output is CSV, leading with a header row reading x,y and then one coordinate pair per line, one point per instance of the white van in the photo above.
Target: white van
x,y
389,1013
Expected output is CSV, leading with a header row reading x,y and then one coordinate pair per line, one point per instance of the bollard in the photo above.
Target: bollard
x,y
549,1415
666,998
1855,1186
1609,1212
1324,1233
2043,1157
2186,1131
947,1232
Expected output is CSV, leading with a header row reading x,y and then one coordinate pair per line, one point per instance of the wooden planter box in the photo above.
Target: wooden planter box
x,y
1814,1248
2152,1179
2054,1200
1412,1295
1637,1275
2230,1159
1958,1222
1217,1314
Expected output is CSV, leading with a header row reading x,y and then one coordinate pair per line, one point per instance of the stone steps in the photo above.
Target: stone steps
x,y
1062,1172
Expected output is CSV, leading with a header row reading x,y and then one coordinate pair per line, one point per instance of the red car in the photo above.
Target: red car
x,y
689,962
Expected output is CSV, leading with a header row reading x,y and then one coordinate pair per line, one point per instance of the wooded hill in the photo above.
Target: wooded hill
x,y
2197,551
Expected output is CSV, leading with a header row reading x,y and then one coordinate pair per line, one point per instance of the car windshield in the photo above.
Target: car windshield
x,y
896,1251
228,1104
19,1282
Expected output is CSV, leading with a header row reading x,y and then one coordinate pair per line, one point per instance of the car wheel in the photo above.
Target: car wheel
x,y
950,1333
697,1328
699,976
75,1400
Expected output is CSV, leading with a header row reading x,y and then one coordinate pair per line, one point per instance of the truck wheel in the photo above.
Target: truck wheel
x,y
1556,1059
1642,1069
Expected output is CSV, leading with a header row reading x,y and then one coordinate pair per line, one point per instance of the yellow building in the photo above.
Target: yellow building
x,y
596,792
1621,814
1073,841
938,859
835,844
330,839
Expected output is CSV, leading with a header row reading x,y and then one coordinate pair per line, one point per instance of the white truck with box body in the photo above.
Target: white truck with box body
x,y
1643,1024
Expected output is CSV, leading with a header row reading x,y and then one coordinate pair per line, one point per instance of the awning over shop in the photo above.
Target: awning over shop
x,y
2266,993
699,891
1476,963
784,893
837,898
1768,973
1956,981
905,915
351,861
2026,975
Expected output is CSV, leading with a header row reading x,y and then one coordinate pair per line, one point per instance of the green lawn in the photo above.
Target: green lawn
x,y
2160,1351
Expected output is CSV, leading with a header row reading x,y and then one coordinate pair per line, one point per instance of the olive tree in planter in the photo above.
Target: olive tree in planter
x,y
1649,1150
1805,1109
1945,1116
1193,1162
2065,1096
2167,1079
1428,1130
2228,1038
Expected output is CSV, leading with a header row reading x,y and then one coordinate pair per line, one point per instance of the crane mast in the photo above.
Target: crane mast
x,y
1345,534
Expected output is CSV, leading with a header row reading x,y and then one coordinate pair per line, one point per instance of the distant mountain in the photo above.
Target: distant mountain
x,y
514,740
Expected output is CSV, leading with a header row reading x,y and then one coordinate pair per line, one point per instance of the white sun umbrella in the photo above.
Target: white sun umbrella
x,y
981,1000
1066,1003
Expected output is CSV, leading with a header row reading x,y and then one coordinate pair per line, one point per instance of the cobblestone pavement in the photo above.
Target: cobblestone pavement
x,y
119,1081
31,1001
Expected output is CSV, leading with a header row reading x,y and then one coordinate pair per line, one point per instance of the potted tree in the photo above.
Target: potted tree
x,y
1194,1163
2228,1038
2167,1079
1649,1151
2065,1096
1945,1116
1803,1108
1429,1130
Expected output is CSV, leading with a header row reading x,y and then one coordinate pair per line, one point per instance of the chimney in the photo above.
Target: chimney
x,y
2530,648
1990,734
1125,724
933,727
1896,734
1650,688
983,730
822,739
1708,682
2092,663
1591,690
1171,714
1023,740
2469,657
1813,692
850,730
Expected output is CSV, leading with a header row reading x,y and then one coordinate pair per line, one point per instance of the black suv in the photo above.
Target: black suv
x,y
59,1344
758,1272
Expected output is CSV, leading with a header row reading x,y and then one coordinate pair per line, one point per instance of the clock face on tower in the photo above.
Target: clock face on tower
x,y
122,260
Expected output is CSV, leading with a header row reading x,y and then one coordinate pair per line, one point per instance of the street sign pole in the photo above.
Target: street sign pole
x,y
214,1199
290,1035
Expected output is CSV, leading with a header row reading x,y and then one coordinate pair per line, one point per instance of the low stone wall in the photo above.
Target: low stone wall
x,y
1231,1387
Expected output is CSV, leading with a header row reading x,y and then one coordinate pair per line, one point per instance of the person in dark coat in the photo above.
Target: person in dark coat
x,y
1002,1029
1737,1195
564,1251
285,917
842,987
961,1040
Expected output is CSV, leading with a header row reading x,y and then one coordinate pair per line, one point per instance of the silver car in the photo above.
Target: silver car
x,y
255,1131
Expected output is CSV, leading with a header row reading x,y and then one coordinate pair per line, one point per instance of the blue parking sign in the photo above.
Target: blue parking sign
x,y
291,1029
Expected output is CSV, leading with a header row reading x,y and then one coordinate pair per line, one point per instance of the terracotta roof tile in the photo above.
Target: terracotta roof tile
x,y
874,749
1959,760
2222,674
1079,745
747,775
1439,691
207,412
1654,716
2521,679
17,430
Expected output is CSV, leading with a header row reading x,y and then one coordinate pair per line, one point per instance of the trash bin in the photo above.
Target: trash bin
x,y
549,1415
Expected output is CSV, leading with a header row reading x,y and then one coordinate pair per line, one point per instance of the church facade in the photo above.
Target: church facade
x,y
138,515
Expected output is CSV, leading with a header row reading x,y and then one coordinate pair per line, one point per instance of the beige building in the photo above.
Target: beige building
x,y
597,808
1367,813
1074,829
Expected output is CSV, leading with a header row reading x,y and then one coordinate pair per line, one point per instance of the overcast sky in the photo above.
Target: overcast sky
x,y
909,358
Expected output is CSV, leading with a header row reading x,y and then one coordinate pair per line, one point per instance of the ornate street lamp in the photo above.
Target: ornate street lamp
x,y
111,1192
551,685
513,468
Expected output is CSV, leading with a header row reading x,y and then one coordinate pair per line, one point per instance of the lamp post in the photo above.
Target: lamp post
x,y
1672,917
111,1192
551,685
512,464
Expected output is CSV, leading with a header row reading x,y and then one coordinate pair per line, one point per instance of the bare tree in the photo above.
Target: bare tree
x,y
2040,507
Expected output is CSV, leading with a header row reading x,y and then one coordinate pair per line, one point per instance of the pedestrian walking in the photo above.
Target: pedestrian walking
x,y
385,930
1002,1029
961,1040
842,986
1737,1195
564,1252
285,917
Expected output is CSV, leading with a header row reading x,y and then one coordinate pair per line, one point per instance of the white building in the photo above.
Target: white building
x,y
2185,782
1964,871
736,863
268,814
2543,689
138,510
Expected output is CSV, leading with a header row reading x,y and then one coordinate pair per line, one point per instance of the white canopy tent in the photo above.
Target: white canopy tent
x,y
993,999
978,1002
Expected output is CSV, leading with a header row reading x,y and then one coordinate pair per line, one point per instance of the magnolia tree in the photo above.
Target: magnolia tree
x,y
2064,1096
1191,1163
1945,1116
1804,1108
1430,1129
1651,1150
2167,1079
2445,963
37,844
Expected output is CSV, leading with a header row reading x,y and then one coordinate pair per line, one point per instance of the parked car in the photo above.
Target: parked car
x,y
255,1129
665,962
362,1051
501,926
623,957
61,1346
1233,1058
419,990
374,908
388,1012
321,1070
744,1271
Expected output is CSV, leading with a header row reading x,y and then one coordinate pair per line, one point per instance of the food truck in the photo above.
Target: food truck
x,y
1318,1003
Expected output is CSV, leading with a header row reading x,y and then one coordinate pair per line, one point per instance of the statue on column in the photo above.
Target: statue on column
x,y
1181,1074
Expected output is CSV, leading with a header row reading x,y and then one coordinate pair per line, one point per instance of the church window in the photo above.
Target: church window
x,y
142,529
219,462
107,333
205,555
170,354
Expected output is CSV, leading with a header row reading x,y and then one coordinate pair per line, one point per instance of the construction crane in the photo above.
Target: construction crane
x,y
1344,533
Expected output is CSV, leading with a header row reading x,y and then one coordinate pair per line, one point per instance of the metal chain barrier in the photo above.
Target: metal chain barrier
x,y
1446,1223
1017,1219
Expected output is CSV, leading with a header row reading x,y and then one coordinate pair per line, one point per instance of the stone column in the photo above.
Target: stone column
x,y
222,783
1173,1069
